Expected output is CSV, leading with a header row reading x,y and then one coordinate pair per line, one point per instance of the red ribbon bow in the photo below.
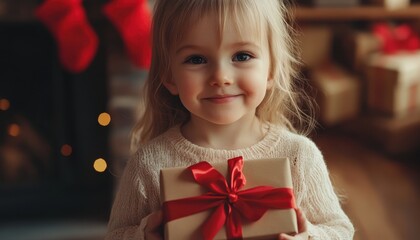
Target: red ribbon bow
x,y
231,205
396,38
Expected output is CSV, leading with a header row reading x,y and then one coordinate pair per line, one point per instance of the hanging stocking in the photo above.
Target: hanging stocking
x,y
132,18
77,42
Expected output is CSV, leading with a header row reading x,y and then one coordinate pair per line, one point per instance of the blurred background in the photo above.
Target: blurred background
x,y
69,91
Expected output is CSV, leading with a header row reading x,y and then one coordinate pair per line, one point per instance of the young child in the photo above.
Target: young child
x,y
221,85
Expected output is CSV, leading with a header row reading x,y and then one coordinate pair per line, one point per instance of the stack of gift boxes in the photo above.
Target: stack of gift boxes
x,y
370,76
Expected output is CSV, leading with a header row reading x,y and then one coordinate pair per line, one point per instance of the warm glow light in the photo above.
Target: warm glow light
x,y
66,150
14,130
104,119
4,104
100,165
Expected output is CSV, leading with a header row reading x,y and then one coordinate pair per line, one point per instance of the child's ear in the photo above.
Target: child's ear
x,y
171,86
270,83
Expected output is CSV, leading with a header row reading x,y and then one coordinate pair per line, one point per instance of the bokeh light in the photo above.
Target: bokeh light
x,y
100,165
104,119
66,150
4,104
14,130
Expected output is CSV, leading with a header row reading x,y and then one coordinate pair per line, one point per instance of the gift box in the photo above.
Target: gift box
x,y
338,94
319,36
263,182
352,48
393,83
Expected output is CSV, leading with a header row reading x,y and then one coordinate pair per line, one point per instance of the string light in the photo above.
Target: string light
x,y
66,150
104,119
100,165
14,130
4,104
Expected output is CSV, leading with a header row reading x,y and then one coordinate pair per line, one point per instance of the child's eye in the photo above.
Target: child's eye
x,y
242,57
196,60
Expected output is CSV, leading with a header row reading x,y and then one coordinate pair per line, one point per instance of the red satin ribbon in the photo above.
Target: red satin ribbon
x,y
230,204
396,38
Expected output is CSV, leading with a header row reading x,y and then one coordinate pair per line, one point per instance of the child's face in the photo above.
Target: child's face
x,y
220,80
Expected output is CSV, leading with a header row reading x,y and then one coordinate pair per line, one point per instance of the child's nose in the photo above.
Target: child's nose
x,y
221,76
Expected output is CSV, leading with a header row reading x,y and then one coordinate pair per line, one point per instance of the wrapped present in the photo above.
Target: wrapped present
x,y
393,83
338,94
352,48
319,36
250,199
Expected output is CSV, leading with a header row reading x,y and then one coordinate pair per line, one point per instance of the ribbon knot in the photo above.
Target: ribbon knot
x,y
230,204
396,38
232,197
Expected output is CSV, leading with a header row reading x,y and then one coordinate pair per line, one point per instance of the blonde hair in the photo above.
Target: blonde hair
x,y
173,18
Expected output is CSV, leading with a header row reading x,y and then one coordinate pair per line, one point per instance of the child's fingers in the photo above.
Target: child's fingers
x,y
154,221
302,228
301,220
152,229
284,236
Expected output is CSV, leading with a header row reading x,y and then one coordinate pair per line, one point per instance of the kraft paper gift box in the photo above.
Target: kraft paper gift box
x,y
393,83
338,94
319,36
178,183
353,47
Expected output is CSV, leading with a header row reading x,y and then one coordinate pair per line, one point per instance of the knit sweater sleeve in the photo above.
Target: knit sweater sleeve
x,y
128,214
319,202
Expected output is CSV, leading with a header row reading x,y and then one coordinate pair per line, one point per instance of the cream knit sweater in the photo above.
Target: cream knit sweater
x,y
138,193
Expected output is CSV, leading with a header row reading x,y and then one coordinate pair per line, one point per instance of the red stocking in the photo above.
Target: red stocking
x,y
132,18
77,42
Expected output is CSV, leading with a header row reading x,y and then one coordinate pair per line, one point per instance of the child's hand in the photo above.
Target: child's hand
x,y
153,230
302,228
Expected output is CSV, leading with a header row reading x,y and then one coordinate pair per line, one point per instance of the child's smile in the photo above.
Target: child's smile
x,y
220,99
